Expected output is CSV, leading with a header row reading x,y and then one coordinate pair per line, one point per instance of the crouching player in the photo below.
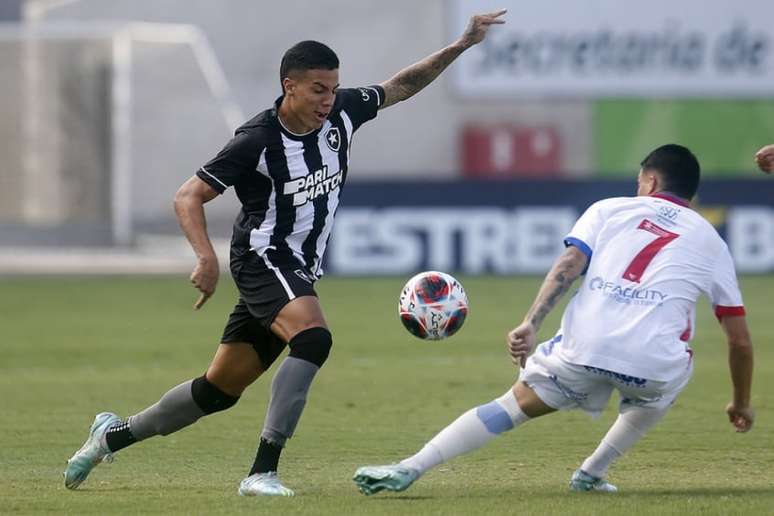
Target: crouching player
x,y
646,260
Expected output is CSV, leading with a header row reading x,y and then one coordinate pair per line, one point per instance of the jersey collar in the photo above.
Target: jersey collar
x,y
287,132
669,196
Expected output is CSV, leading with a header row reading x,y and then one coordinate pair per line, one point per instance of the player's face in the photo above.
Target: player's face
x,y
311,94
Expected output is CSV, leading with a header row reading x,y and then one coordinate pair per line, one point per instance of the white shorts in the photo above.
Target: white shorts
x,y
564,386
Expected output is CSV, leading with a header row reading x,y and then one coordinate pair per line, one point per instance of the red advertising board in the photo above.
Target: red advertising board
x,y
506,150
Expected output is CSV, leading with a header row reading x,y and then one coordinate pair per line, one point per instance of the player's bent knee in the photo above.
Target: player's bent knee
x,y
501,414
312,345
495,417
529,402
210,398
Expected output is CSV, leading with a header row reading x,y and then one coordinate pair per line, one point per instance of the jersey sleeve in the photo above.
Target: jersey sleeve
x,y
361,104
584,234
239,157
724,293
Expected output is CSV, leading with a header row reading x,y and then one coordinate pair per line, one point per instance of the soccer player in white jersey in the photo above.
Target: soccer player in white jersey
x,y
646,260
287,165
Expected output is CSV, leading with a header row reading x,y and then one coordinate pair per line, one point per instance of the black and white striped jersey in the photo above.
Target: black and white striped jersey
x,y
290,184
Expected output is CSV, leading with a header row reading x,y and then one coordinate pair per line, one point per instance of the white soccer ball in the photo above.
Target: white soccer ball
x,y
433,305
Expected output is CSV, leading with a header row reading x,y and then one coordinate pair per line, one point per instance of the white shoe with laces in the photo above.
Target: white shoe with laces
x,y
263,484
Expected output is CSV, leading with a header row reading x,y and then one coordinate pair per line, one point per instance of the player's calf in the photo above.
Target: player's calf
x,y
628,429
178,408
309,350
470,431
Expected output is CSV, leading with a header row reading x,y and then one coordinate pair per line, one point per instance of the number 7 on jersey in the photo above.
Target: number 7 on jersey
x,y
637,267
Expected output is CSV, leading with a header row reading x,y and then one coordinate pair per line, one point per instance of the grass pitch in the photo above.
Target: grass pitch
x,y
71,347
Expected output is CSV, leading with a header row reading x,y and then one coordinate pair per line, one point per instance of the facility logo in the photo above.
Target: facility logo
x,y
627,295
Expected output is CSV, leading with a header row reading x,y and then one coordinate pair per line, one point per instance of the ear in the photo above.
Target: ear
x,y
288,86
652,183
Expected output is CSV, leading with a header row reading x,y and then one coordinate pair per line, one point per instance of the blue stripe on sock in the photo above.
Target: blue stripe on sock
x,y
494,417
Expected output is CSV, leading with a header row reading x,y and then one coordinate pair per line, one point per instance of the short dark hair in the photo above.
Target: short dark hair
x,y
677,167
308,55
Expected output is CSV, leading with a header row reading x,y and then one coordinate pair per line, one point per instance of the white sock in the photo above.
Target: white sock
x,y
629,428
470,431
599,461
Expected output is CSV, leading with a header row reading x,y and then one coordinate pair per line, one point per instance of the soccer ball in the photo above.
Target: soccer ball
x,y
433,305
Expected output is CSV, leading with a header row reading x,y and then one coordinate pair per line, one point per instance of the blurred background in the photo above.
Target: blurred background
x,y
109,105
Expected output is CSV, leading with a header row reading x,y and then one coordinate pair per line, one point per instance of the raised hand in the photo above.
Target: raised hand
x,y
478,27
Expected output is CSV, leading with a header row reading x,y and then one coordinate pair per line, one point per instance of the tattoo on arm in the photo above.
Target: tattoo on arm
x,y
411,80
558,281
557,286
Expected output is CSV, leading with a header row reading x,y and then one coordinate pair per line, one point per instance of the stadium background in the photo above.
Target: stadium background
x,y
109,105
98,133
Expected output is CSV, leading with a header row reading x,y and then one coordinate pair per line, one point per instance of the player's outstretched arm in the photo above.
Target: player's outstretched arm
x,y
765,159
189,208
567,268
411,80
740,362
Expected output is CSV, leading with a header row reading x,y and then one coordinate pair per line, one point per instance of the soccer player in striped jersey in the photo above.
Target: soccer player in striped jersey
x,y
288,165
646,260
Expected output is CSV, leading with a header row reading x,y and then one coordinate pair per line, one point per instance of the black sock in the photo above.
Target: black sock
x,y
267,457
119,436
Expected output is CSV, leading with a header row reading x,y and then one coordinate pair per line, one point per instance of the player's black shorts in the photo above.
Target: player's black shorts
x,y
263,292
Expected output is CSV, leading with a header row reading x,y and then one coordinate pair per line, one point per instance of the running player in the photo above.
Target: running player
x,y
287,165
646,260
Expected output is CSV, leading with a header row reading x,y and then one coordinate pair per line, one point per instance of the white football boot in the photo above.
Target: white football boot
x,y
93,451
392,477
263,484
582,481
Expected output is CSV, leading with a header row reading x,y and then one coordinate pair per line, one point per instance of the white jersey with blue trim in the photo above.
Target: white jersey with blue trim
x,y
650,258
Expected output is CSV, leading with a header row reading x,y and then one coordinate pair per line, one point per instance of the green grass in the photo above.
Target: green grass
x,y
70,347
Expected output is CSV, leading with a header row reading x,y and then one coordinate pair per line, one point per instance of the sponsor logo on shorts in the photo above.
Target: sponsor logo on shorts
x,y
627,295
304,276
631,381
641,402
577,397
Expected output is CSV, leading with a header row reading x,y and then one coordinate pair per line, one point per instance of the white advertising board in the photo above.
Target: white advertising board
x,y
615,48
